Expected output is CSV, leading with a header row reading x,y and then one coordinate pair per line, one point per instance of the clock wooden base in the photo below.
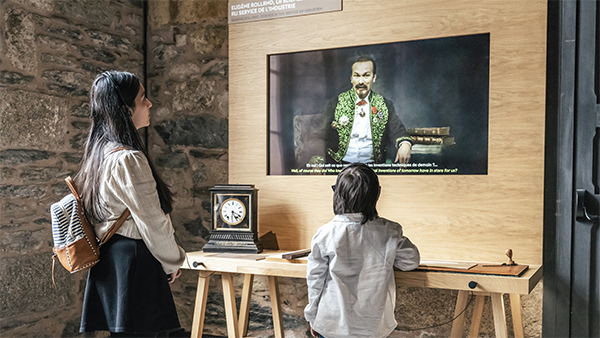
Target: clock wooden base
x,y
235,242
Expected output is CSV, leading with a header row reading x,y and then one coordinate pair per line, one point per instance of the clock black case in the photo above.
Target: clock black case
x,y
231,234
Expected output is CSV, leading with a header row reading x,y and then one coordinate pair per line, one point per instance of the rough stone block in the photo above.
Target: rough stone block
x,y
70,33
194,95
159,13
59,60
81,110
202,192
81,125
21,191
206,205
61,189
93,69
49,323
206,132
19,37
23,242
173,160
165,52
30,287
72,158
12,78
199,174
67,82
220,68
218,171
44,174
78,141
53,43
90,12
32,120
45,5
202,153
7,174
184,70
198,11
15,210
109,40
18,156
196,228
209,39
97,54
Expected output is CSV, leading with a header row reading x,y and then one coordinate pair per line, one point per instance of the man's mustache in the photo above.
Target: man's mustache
x,y
361,86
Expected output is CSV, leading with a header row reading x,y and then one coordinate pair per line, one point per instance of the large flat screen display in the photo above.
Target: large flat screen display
x,y
405,108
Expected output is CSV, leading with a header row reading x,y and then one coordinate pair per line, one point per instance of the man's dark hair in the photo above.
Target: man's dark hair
x,y
366,58
356,191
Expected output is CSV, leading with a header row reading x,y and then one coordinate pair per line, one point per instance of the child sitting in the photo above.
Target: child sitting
x,y
350,271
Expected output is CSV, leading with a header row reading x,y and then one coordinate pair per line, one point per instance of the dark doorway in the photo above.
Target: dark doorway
x,y
572,187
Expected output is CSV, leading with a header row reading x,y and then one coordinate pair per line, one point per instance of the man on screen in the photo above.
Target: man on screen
x,y
358,124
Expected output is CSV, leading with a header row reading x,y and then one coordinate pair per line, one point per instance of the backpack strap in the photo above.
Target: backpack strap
x,y
113,228
73,188
118,149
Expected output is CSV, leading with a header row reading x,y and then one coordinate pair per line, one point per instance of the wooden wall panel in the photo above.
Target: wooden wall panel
x,y
449,217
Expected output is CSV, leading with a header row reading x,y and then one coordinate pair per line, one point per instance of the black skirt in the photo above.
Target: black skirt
x,y
128,291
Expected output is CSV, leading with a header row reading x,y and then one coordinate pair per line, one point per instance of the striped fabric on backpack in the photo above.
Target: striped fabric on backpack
x,y
66,225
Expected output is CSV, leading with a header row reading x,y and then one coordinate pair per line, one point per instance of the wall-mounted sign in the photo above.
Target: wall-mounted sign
x,y
246,10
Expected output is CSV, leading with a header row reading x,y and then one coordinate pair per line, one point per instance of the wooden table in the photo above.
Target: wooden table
x,y
228,264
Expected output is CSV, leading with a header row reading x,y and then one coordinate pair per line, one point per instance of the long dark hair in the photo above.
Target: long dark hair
x,y
357,191
111,96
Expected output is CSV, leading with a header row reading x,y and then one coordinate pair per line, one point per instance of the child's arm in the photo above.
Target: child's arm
x,y
407,255
316,274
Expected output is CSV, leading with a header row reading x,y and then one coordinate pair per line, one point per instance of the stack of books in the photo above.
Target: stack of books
x,y
430,140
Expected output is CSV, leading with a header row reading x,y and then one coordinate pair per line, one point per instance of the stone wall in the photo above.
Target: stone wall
x,y
188,85
50,51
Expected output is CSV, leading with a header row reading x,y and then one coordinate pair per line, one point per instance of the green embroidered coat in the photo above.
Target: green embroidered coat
x,y
338,117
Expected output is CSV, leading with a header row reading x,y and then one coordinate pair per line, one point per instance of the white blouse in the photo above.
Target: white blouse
x,y
350,276
127,182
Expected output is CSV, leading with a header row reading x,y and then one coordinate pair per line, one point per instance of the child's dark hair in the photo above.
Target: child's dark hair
x,y
356,191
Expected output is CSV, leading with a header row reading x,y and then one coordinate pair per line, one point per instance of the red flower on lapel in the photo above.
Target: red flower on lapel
x,y
374,110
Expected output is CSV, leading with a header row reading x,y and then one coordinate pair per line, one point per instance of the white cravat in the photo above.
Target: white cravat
x,y
360,148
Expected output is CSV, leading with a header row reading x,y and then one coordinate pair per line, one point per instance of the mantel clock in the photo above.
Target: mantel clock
x,y
234,209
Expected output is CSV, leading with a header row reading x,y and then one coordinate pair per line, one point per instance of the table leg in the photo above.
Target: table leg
x,y
230,308
276,306
499,315
200,307
515,308
245,304
476,319
458,326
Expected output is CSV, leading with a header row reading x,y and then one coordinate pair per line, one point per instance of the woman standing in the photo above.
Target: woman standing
x,y
127,292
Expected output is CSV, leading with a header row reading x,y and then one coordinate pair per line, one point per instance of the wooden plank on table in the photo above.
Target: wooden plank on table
x,y
426,264
506,270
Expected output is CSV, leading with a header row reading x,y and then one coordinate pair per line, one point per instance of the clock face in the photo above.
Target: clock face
x,y
232,211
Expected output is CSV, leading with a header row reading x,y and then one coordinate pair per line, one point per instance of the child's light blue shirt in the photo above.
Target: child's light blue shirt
x,y
350,276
